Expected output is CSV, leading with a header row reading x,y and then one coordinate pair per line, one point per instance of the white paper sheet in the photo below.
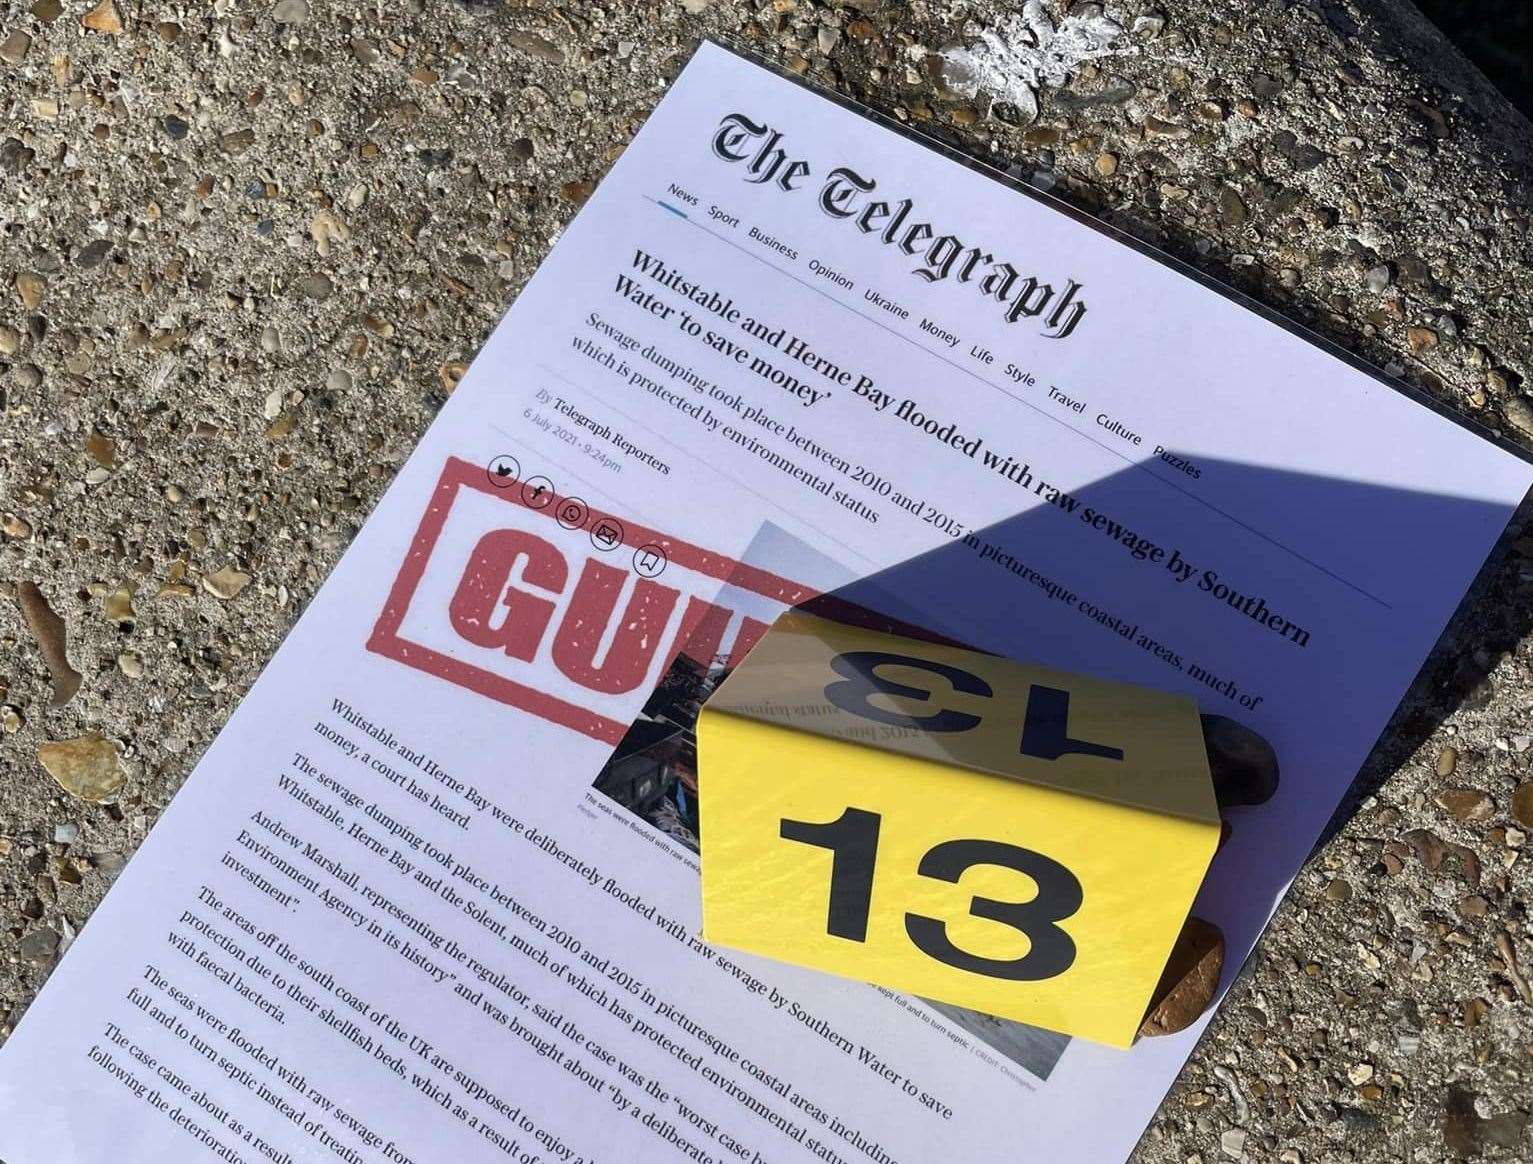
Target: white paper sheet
x,y
389,918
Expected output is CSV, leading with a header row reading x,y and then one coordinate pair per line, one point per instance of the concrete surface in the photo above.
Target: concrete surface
x,y
245,249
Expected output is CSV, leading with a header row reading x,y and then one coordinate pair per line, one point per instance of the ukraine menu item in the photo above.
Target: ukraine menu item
x,y
432,891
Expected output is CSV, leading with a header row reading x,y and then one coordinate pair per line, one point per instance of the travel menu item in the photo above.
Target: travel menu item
x,y
432,893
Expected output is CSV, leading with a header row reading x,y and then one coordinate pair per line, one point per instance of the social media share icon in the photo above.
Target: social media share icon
x,y
538,492
607,533
649,560
503,471
572,513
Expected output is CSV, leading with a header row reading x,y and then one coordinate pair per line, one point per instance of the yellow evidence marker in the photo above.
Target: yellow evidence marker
x,y
1008,838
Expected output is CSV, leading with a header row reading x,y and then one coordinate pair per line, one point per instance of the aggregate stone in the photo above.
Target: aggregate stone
x,y
1466,1133
51,634
1522,804
317,286
92,253
1447,761
1466,804
87,766
31,288
1421,338
290,12
414,162
13,50
1519,413
1189,980
226,583
37,948
1232,208
103,18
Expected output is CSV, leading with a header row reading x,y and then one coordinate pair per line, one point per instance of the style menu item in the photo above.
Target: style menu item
x,y
1078,818
432,894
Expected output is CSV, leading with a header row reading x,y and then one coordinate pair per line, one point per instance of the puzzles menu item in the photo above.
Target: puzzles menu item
x,y
1009,838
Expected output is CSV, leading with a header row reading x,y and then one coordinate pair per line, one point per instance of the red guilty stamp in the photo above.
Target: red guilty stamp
x,y
540,602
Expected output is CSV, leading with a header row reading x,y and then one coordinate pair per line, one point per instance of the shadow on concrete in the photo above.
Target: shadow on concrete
x,y
1338,590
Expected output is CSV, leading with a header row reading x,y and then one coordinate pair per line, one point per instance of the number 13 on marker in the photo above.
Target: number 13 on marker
x,y
853,838
1007,838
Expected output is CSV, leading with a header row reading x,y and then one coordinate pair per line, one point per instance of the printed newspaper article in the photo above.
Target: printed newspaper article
x,y
432,893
